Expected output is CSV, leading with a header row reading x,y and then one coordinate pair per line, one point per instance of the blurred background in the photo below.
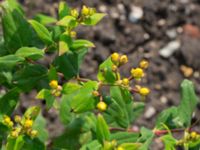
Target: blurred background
x,y
165,32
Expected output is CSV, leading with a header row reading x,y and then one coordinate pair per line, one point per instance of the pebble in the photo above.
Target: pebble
x,y
135,14
187,71
149,112
169,49
163,99
171,33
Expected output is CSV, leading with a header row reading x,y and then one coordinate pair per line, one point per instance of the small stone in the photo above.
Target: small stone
x,y
163,99
187,71
169,49
103,8
149,112
171,33
135,14
161,22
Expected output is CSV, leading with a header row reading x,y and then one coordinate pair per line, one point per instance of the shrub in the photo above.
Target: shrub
x,y
94,117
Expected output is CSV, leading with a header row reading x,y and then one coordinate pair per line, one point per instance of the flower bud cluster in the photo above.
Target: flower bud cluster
x,y
189,137
56,88
20,126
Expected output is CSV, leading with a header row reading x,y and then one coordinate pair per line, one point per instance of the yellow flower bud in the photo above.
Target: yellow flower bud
x,y
28,123
137,73
74,13
57,93
18,118
14,134
33,133
102,106
114,68
53,84
95,93
144,64
123,60
59,88
6,120
120,148
85,11
193,135
73,34
125,81
144,91
115,58
10,124
92,11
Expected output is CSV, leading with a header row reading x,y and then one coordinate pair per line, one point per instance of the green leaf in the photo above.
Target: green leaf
x,y
9,101
52,73
31,112
63,10
65,109
105,73
102,130
69,63
138,109
9,61
130,146
93,145
84,100
49,98
168,117
124,137
94,19
146,138
177,117
67,21
12,5
42,32
33,144
77,44
30,52
64,43
70,137
121,108
169,141
3,131
44,19
40,126
188,102
30,75
15,144
16,31
70,87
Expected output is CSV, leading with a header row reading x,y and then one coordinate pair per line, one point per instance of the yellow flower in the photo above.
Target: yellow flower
x,y
73,34
125,81
114,68
92,11
14,134
137,73
28,123
6,120
115,58
10,124
123,60
85,11
57,93
74,13
144,91
53,84
95,93
144,64
18,118
102,106
33,133
120,148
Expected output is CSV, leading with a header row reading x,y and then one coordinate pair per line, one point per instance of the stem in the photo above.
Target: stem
x,y
156,132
